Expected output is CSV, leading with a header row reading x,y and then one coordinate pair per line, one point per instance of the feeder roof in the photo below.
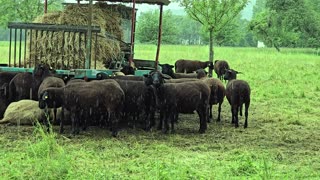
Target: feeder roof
x,y
163,2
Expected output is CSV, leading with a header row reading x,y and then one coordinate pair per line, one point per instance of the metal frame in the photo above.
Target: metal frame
x,y
90,73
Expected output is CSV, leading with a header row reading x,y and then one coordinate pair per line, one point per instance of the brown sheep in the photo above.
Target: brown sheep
x,y
105,96
238,93
189,66
220,67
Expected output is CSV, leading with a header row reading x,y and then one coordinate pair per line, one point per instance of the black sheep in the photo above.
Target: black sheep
x,y
105,96
217,93
189,66
174,98
168,70
5,78
220,67
238,93
26,85
139,99
52,81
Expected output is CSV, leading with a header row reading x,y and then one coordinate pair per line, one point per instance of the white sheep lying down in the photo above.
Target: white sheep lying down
x,y
26,112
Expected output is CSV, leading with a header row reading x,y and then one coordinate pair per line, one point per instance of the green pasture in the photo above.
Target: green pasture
x,y
282,140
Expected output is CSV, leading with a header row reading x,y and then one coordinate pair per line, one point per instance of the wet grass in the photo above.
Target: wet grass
x,y
281,142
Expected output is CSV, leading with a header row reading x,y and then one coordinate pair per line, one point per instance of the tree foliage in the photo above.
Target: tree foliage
x,y
288,23
24,10
214,15
148,24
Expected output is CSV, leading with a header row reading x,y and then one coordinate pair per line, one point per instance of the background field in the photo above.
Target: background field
x,y
282,140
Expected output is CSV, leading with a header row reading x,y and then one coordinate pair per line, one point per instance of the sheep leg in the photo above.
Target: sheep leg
x,y
160,120
241,110
114,126
54,114
73,119
219,112
203,120
232,119
77,123
235,114
166,124
210,113
172,120
61,121
246,114
176,117
152,119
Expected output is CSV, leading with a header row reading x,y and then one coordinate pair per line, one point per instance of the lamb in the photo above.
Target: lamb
x,y
217,93
104,95
238,93
174,98
188,66
220,67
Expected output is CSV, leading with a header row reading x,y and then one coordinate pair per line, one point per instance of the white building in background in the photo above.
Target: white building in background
x,y
261,44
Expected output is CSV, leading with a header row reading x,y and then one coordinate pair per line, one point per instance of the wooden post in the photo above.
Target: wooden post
x,y
133,22
159,38
89,35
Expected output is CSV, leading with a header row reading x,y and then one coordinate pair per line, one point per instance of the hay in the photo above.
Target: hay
x,y
25,112
65,51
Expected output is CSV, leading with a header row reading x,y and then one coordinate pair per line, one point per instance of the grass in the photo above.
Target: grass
x,y
281,142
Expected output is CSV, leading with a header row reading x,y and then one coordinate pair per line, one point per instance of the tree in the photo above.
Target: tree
x,y
287,23
148,24
189,30
25,11
214,15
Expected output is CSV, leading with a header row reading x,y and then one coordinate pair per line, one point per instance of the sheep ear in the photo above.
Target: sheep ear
x,y
171,66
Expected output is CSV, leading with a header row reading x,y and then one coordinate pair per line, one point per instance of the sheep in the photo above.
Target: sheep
x,y
104,95
101,76
220,67
188,66
25,112
127,70
238,93
26,85
51,82
138,99
168,69
217,93
5,78
174,98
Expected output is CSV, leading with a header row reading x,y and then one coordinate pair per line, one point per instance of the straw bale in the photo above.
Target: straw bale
x,y
25,112
68,50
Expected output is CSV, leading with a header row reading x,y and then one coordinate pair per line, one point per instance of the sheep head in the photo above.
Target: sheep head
x,y
230,74
167,69
155,78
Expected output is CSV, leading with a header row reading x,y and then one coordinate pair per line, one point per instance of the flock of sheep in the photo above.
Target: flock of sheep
x,y
113,101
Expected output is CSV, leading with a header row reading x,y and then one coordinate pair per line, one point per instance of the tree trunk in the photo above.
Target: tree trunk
x,y
211,51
